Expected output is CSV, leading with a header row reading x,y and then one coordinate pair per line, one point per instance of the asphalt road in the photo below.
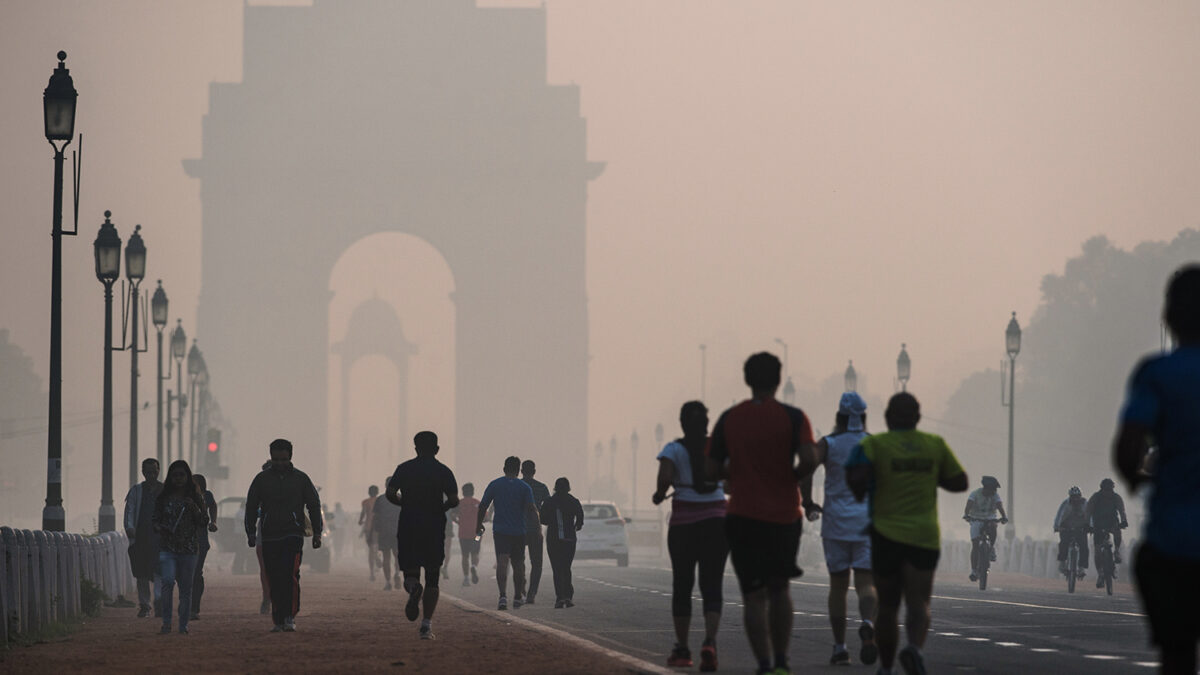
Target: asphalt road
x,y
1018,625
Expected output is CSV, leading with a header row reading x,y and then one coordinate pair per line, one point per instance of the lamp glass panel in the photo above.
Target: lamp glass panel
x,y
60,118
135,263
108,262
158,309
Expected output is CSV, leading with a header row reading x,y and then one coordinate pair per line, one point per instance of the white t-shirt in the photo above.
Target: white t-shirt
x,y
678,455
982,506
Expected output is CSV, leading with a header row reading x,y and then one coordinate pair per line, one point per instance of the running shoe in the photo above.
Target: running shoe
x,y
568,602
387,587
289,624
992,555
426,632
1099,582
973,576
911,661
503,604
868,652
840,657
517,602
277,628
680,657
143,612
412,608
708,658
265,607
474,575
466,582
559,604
183,630
529,599
195,617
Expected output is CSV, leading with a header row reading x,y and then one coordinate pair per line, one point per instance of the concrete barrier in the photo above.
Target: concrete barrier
x,y
41,573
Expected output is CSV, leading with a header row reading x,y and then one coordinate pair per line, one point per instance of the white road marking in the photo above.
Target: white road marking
x,y
1044,650
1009,644
979,639
1146,664
1103,657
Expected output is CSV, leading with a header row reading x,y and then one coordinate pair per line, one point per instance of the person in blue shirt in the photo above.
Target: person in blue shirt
x,y
1163,408
514,501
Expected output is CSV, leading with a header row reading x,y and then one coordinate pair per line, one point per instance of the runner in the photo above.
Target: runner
x,y
1163,403
902,469
386,521
514,500
695,534
562,515
757,443
465,514
424,489
844,531
366,518
533,528
283,492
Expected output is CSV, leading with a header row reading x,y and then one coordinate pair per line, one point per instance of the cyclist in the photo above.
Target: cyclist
x,y
1071,524
1106,513
981,508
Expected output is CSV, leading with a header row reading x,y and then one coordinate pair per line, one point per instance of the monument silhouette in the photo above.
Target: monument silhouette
x,y
427,117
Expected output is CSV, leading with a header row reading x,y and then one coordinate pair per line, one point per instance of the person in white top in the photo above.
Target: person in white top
x,y
844,531
980,512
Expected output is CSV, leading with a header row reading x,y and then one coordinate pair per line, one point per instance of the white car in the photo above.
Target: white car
x,y
603,534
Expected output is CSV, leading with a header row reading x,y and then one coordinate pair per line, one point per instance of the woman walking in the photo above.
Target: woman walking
x,y
179,516
562,515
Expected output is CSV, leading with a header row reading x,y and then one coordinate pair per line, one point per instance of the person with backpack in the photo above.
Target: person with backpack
x,y
695,533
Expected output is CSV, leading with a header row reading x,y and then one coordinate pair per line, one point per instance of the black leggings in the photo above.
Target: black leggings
x,y
702,544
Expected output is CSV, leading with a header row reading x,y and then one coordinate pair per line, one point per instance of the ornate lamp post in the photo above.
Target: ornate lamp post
x,y
107,248
612,468
851,378
1012,343
158,314
633,448
135,271
785,357
903,367
789,392
200,409
58,108
194,366
178,348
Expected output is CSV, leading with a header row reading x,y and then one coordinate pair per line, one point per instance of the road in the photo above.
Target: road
x,y
1017,625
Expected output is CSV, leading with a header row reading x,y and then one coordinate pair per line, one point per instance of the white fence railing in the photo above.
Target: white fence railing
x,y
40,575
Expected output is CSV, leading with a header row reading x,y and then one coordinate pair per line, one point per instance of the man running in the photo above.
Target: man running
x,y
424,489
514,501
845,531
902,469
386,521
1163,404
465,514
366,518
980,511
533,528
757,443
283,492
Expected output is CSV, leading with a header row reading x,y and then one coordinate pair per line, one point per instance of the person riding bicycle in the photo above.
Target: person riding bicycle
x,y
980,512
1071,524
1106,513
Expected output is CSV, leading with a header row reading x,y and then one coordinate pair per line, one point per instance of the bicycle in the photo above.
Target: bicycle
x,y
1106,564
1073,572
983,557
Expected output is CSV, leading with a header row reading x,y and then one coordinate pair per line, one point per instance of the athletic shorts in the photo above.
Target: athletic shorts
x,y
469,546
1170,589
842,554
888,556
384,542
762,552
420,542
511,545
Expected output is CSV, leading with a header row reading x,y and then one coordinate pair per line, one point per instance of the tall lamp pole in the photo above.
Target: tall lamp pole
x,y
612,468
135,271
633,448
178,348
903,367
158,314
194,366
58,107
785,357
108,267
1012,342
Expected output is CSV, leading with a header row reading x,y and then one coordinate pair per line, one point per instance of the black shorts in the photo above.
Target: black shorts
x,y
762,553
888,556
384,542
1170,589
420,543
511,545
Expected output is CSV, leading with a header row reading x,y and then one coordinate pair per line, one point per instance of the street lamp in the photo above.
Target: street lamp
x,y
789,392
107,249
612,468
195,363
178,348
158,314
633,448
58,108
851,378
200,409
903,367
135,271
1012,344
785,356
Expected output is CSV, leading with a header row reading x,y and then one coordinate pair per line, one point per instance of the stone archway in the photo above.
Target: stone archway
x,y
434,114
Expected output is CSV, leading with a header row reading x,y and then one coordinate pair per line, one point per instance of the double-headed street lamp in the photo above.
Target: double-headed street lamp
x,y
135,271
158,314
107,248
58,108
178,349
1012,344
903,367
851,378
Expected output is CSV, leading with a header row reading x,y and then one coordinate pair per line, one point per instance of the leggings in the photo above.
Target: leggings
x,y
702,543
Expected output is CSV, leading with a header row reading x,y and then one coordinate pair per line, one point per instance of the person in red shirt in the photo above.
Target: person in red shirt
x,y
366,518
465,515
764,448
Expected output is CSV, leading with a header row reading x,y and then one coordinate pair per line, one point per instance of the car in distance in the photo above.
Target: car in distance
x,y
603,535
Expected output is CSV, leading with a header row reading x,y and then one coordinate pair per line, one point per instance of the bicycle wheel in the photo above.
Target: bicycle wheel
x,y
1072,568
985,558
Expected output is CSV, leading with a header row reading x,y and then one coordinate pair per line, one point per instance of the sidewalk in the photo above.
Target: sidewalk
x,y
345,625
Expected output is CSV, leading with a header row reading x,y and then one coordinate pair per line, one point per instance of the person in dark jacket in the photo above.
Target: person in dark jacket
x,y
562,515
283,492
143,543
533,529
179,515
203,545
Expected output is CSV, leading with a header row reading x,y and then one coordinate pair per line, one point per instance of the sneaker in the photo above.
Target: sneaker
x,y
529,599
194,617
568,603
278,628
426,632
911,661
503,604
973,576
992,555
183,630
1117,557
1099,582
681,657
165,630
143,611
387,587
840,657
466,582
1081,574
708,658
868,652
412,608
474,575
517,602
265,607
289,624
559,604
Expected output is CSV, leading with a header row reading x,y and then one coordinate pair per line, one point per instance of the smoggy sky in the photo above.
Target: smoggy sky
x,y
843,176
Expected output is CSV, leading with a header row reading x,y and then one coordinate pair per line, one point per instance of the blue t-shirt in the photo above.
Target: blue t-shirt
x,y
1164,397
510,495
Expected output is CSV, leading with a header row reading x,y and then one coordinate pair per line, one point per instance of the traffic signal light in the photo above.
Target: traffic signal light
x,y
214,441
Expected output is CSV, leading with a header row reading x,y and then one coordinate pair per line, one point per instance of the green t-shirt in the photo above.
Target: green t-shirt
x,y
908,466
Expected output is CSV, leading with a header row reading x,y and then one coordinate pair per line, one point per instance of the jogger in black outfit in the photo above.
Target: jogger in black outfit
x,y
562,515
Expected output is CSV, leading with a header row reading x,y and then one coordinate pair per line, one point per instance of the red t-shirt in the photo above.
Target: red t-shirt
x,y
468,514
760,439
